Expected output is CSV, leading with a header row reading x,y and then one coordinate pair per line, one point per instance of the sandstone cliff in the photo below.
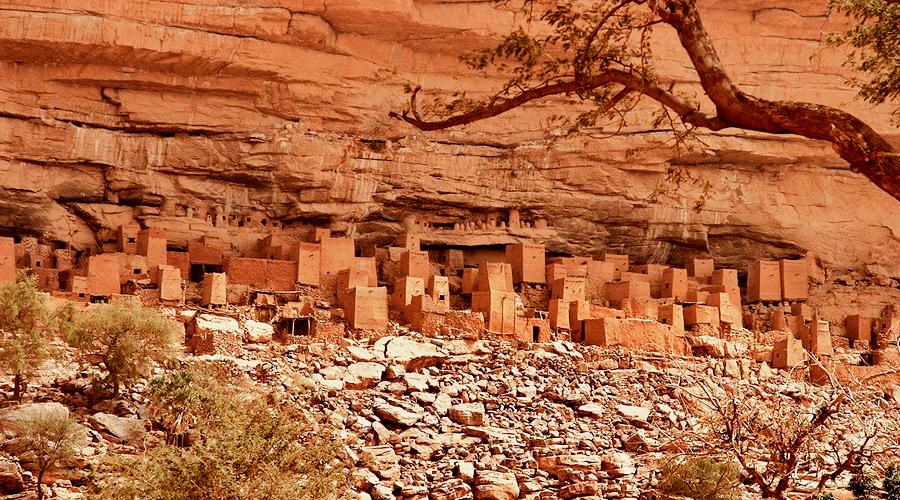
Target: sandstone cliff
x,y
167,112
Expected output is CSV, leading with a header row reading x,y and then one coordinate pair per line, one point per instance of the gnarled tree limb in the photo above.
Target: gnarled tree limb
x,y
863,148
688,113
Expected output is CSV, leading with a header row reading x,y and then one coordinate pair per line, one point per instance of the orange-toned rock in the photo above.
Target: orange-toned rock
x,y
278,112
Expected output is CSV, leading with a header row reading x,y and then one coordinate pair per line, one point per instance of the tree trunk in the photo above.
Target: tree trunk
x,y
864,149
17,387
40,480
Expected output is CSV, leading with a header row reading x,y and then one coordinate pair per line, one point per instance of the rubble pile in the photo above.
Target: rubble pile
x,y
501,420
456,418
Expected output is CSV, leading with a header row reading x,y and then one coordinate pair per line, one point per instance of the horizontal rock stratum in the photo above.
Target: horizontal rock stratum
x,y
164,112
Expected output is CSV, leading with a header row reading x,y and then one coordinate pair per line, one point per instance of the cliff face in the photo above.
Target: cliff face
x,y
173,113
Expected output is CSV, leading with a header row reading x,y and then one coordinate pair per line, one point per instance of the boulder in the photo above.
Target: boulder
x,y
735,349
423,398
581,489
450,489
553,464
382,492
564,349
333,372
618,464
460,346
385,461
121,428
732,368
492,434
363,375
467,414
10,479
492,485
18,413
213,334
360,354
382,434
411,354
466,471
634,413
592,410
258,332
705,345
395,370
396,415
442,403
608,364
417,381
331,385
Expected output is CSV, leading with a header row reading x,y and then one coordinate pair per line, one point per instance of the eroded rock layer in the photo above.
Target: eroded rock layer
x,y
177,113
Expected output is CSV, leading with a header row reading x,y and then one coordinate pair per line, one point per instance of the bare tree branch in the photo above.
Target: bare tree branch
x,y
853,140
688,113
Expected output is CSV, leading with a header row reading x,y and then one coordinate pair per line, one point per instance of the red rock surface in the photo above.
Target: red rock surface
x,y
114,113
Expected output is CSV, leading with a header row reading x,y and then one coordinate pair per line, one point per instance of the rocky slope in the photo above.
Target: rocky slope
x,y
444,419
165,112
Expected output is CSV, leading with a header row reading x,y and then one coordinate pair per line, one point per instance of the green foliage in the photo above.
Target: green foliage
x,y
178,400
890,485
824,496
47,439
698,478
26,323
862,485
248,449
874,41
125,338
584,39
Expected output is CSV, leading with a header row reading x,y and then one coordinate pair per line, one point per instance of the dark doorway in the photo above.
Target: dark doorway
x,y
289,328
200,270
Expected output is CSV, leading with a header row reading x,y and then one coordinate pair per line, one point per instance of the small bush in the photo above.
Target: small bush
x,y
891,484
699,478
178,401
824,496
862,485
49,440
246,449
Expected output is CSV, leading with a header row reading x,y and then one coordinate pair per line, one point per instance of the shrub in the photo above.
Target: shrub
x,y
699,478
179,400
48,439
862,485
890,485
25,324
246,450
125,338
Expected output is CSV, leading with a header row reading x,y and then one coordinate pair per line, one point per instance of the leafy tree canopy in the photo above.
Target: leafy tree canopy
x,y
26,327
125,337
874,40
